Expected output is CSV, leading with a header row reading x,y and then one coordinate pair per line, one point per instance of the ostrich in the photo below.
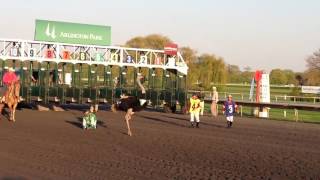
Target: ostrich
x,y
131,104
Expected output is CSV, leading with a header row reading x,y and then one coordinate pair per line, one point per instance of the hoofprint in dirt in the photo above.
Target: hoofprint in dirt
x,y
52,145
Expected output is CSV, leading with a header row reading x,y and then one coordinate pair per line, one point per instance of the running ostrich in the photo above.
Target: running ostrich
x,y
131,104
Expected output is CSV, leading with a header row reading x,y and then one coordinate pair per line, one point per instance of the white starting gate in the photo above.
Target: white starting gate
x,y
14,49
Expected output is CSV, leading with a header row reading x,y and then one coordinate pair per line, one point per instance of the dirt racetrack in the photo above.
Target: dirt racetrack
x,y
51,145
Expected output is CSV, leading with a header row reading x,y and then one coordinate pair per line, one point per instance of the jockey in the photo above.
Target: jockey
x,y
89,119
194,110
8,78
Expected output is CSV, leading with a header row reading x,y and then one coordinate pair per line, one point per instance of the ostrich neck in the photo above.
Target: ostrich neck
x,y
141,86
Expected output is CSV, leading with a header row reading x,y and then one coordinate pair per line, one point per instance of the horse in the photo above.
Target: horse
x,y
11,99
131,104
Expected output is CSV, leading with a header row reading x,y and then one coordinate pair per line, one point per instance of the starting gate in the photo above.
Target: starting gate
x,y
72,73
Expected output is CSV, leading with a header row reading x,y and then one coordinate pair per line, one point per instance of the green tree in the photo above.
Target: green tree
x,y
237,76
278,76
206,69
153,41
291,77
137,42
246,76
193,76
189,55
300,79
212,70
234,74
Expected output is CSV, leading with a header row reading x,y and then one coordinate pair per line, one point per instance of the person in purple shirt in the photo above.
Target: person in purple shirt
x,y
229,108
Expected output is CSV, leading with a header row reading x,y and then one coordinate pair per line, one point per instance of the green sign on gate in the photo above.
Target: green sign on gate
x,y
73,33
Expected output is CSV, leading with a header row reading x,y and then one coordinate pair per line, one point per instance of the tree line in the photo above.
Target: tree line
x,y
206,70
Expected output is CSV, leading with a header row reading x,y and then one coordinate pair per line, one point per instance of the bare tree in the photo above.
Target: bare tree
x,y
312,75
313,62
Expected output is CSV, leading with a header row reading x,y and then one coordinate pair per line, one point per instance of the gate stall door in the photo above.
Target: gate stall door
x,y
169,87
108,77
69,89
127,80
100,76
76,83
155,86
144,72
123,77
93,84
108,84
115,71
64,71
18,70
35,88
76,76
59,74
92,76
53,82
181,94
84,80
44,81
101,84
130,80
25,81
67,74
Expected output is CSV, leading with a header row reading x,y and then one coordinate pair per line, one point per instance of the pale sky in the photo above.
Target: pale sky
x,y
262,34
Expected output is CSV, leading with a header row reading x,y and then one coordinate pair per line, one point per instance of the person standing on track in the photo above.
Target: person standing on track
x,y
194,110
215,100
229,108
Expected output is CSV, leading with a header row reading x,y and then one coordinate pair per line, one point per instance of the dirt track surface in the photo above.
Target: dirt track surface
x,y
51,145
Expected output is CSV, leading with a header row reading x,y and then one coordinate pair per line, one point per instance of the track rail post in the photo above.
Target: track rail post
x,y
296,115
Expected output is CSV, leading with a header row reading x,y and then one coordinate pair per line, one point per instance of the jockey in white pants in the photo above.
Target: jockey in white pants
x,y
194,110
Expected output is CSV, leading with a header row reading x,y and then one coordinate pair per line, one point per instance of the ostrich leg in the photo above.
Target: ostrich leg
x,y
128,118
14,112
11,112
1,107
